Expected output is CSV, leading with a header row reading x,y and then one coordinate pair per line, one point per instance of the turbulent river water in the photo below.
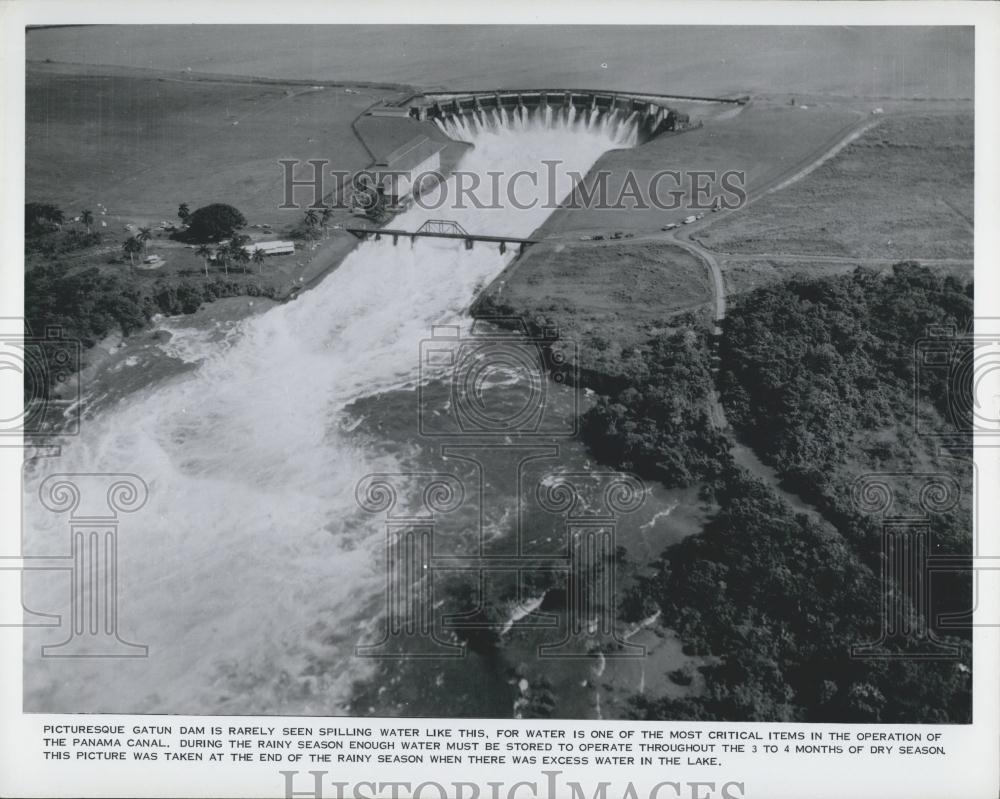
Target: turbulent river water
x,y
249,572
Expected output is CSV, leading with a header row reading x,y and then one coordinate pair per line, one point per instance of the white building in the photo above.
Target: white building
x,y
272,247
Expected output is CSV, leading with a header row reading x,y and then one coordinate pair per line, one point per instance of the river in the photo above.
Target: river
x,y
252,573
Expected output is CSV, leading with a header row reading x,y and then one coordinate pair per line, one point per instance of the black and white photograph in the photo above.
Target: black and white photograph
x,y
507,374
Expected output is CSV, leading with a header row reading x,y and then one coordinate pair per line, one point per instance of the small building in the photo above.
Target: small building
x,y
395,111
272,247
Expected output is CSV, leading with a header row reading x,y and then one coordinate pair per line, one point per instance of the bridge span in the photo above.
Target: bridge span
x,y
441,229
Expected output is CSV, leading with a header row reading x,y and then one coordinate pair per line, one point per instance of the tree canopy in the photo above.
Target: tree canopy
x,y
38,216
215,222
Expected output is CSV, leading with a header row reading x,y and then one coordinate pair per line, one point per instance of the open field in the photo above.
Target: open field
x,y
903,190
764,140
607,313
141,144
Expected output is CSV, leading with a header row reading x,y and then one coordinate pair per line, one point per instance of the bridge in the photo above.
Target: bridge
x,y
441,229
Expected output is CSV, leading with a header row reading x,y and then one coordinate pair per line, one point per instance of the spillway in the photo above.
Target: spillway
x,y
249,573
622,128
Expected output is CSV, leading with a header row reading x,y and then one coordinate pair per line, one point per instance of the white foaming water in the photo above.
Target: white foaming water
x,y
621,129
250,571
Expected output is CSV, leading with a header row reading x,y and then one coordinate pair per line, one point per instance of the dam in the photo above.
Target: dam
x,y
651,114
442,126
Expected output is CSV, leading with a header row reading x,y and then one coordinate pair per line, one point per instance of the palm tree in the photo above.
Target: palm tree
x,y
130,247
144,235
222,253
312,217
241,256
204,252
258,258
87,217
184,213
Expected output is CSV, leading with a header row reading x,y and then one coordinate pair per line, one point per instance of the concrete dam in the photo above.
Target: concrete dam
x,y
648,115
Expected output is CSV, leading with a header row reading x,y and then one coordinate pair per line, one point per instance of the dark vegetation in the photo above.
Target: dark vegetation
x,y
214,222
780,599
46,233
88,305
659,425
812,373
806,364
85,305
39,217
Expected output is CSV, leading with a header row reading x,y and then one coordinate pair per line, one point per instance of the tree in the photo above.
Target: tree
x,y
325,217
258,258
38,216
184,213
131,246
204,252
87,218
222,253
144,235
242,257
215,222
312,218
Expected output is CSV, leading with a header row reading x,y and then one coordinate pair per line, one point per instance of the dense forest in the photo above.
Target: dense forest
x,y
807,364
818,377
779,599
659,425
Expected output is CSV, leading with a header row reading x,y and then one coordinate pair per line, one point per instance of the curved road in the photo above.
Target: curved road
x,y
683,236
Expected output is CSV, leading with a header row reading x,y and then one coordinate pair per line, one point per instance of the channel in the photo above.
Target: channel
x,y
250,568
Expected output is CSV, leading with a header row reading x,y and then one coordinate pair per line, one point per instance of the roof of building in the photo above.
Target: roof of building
x,y
389,111
272,245
411,154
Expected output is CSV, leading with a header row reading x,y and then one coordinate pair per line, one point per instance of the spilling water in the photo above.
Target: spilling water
x,y
622,129
249,573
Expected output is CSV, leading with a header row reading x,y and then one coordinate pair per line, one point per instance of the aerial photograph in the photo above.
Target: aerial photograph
x,y
520,372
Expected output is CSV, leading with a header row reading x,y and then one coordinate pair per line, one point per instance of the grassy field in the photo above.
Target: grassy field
x,y
131,145
139,144
608,313
763,140
902,190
